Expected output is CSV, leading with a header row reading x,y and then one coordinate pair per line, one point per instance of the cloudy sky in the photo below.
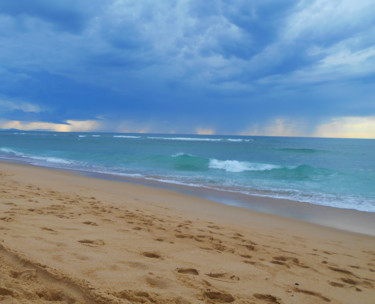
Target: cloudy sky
x,y
295,68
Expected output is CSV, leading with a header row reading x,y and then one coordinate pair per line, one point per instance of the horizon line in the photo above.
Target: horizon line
x,y
177,134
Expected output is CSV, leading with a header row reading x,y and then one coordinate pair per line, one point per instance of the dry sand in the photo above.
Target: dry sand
x,y
70,239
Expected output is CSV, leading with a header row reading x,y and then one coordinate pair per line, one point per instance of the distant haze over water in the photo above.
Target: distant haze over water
x,y
332,172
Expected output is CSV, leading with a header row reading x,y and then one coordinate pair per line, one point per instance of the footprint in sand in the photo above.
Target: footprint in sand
x,y
349,281
92,242
223,276
288,261
354,266
10,204
90,223
219,297
6,292
28,274
312,293
214,227
6,219
267,298
152,255
249,262
188,271
341,270
52,295
156,282
135,296
48,229
335,284
249,247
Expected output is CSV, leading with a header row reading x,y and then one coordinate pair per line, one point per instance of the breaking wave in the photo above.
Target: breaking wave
x,y
48,159
240,166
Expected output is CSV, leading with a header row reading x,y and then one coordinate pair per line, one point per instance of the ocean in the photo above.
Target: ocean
x,y
331,172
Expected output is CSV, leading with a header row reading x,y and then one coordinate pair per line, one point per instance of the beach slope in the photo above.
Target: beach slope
x,y
71,239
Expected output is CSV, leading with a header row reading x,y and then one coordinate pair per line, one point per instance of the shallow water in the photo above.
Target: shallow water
x,y
332,172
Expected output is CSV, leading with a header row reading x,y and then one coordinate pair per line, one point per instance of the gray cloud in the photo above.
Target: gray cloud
x,y
219,64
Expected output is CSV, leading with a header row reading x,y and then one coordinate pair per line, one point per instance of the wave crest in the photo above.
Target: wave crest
x,y
182,154
209,139
240,166
125,136
49,159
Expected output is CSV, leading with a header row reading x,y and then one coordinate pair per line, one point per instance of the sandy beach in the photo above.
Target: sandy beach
x,y
71,239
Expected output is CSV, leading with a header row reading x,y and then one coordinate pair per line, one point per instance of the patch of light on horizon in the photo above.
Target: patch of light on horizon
x,y
337,127
69,126
276,127
348,127
205,131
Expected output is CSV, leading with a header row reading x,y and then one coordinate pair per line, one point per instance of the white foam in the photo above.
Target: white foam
x,y
238,166
201,139
296,195
55,160
174,182
182,154
134,175
239,140
125,136
6,150
235,139
40,158
184,138
10,151
82,135
95,135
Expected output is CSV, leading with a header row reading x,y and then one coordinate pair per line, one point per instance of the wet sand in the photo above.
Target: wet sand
x,y
71,239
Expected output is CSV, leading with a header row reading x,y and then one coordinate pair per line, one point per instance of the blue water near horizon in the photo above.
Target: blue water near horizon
x,y
331,172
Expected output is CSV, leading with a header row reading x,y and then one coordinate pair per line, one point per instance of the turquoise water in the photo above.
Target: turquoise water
x,y
333,172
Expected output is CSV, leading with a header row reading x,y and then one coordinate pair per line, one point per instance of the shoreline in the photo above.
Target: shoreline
x,y
73,239
339,218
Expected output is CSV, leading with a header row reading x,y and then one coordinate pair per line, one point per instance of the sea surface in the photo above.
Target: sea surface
x,y
332,172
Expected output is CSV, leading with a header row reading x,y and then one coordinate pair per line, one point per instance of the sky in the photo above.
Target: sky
x,y
279,68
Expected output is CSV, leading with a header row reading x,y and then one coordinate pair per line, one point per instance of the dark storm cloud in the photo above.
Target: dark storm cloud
x,y
179,65
64,15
